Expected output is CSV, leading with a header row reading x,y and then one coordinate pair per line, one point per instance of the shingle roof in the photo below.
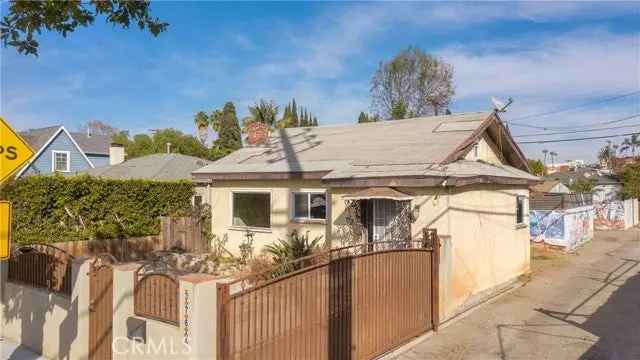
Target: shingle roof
x,y
411,147
152,167
587,174
94,144
545,186
38,137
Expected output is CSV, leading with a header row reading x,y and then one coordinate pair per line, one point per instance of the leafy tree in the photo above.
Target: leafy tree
x,y
583,185
143,144
98,127
421,82
605,154
398,110
27,19
537,167
202,124
229,136
630,178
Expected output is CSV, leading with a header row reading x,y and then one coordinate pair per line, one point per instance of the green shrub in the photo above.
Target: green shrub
x,y
56,208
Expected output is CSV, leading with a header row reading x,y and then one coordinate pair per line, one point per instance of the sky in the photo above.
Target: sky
x,y
546,56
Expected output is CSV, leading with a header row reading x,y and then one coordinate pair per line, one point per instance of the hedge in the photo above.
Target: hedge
x,y
56,208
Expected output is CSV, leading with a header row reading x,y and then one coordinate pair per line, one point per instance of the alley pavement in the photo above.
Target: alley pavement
x,y
582,305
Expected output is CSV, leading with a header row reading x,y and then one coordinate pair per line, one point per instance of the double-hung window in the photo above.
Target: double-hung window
x,y
309,206
60,161
520,210
251,209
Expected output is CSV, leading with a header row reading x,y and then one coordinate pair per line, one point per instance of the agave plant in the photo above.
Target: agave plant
x,y
296,246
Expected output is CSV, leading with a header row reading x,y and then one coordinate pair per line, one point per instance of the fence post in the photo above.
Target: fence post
x,y
435,280
222,330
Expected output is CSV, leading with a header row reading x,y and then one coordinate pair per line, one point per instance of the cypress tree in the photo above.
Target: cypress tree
x,y
363,118
315,121
229,138
294,112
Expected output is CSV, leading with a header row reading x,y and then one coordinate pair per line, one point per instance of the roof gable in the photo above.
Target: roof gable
x,y
61,131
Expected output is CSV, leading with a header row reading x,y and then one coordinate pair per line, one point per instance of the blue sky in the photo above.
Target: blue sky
x,y
545,55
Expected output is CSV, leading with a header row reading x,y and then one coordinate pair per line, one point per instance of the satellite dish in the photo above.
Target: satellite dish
x,y
499,106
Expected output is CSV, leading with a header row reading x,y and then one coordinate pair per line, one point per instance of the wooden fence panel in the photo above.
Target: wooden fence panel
x,y
156,296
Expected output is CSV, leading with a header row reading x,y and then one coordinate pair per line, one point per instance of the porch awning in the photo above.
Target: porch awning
x,y
378,193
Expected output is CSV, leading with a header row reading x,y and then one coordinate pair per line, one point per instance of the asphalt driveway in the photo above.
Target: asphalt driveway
x,y
584,305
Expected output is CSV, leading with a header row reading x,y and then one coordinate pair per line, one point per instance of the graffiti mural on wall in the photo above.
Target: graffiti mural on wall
x,y
579,226
609,215
546,225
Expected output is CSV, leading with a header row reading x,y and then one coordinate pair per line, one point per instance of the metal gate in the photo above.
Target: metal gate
x,y
356,302
101,307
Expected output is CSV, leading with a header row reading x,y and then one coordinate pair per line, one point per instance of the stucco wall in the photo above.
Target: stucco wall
x,y
50,324
482,246
281,221
486,152
193,338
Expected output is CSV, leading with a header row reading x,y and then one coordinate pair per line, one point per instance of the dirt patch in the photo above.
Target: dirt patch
x,y
543,258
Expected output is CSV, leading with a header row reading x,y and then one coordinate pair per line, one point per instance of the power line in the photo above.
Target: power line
x,y
574,126
576,139
577,131
575,107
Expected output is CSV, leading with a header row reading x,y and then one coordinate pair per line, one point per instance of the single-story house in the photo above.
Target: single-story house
x,y
462,174
607,186
551,186
58,150
157,167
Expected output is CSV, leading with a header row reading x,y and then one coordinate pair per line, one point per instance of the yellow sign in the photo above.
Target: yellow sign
x,y
14,151
5,230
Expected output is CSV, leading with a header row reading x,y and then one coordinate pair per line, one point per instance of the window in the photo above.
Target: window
x,y
251,209
60,161
309,206
520,210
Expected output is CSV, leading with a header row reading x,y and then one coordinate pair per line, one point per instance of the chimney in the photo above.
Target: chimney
x,y
116,154
257,133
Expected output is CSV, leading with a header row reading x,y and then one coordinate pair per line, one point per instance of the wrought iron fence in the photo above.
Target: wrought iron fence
x,y
43,266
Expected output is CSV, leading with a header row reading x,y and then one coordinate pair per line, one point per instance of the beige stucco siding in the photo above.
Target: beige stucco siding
x,y
487,151
281,220
482,246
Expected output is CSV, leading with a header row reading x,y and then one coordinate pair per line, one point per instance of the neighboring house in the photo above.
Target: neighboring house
x,y
551,186
58,150
607,186
386,181
158,167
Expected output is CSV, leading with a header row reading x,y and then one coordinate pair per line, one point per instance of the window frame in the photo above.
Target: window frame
x,y
53,160
232,202
524,208
308,218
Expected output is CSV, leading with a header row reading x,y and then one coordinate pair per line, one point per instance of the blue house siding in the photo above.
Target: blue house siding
x,y
99,160
42,164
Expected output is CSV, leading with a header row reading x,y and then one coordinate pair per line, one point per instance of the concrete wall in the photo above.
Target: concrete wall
x,y
193,338
567,228
281,220
616,214
53,325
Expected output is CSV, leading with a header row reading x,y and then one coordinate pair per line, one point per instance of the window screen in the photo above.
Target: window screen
x,y
252,209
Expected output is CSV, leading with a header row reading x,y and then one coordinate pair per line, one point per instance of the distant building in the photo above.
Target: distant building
x,y
607,186
551,186
569,165
58,150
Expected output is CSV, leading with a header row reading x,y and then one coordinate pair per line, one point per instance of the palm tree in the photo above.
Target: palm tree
x,y
545,152
604,155
264,112
631,143
202,123
553,154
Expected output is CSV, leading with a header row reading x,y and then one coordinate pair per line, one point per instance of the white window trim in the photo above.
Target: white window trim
x,y
232,226
292,207
53,160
